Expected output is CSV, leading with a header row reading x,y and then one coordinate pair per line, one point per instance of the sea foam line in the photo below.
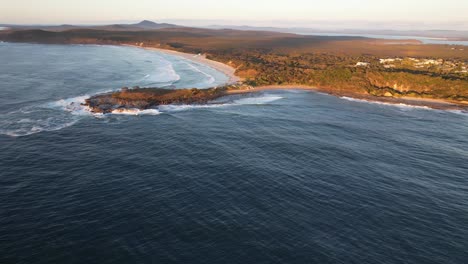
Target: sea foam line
x,y
163,73
262,100
67,112
210,77
399,105
50,116
136,112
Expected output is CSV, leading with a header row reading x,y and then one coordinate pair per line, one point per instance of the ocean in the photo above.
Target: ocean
x,y
282,176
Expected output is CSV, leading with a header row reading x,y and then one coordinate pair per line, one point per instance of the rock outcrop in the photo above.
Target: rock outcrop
x,y
147,98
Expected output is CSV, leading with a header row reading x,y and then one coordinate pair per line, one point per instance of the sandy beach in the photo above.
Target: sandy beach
x,y
200,58
233,79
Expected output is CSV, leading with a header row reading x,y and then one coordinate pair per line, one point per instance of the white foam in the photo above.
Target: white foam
x,y
136,112
28,126
164,73
211,79
257,100
244,101
50,116
185,107
399,105
67,112
25,120
459,112
72,105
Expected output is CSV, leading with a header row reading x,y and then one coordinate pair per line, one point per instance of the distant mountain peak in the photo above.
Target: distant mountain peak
x,y
147,23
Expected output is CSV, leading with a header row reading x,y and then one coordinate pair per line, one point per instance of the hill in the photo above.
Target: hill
x,y
141,26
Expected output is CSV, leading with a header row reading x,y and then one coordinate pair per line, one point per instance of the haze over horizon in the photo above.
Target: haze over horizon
x,y
387,14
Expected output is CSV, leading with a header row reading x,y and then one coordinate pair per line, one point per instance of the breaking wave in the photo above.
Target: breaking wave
x,y
399,105
163,74
257,100
34,120
136,112
458,112
43,117
72,105
28,127
185,107
34,114
63,113
211,79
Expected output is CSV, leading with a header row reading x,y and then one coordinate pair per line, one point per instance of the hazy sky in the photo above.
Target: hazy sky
x,y
272,12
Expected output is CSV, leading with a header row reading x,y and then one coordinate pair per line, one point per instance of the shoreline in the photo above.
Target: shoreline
x,y
433,103
199,58
438,104
229,71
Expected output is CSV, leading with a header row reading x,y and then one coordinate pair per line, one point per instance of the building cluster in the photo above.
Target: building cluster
x,y
434,64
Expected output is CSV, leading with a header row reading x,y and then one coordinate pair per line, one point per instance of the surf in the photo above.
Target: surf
x,y
164,73
398,105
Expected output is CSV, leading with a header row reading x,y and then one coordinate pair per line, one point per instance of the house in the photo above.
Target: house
x,y
383,61
362,64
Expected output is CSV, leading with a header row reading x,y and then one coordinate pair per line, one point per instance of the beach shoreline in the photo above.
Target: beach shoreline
x,y
439,104
199,58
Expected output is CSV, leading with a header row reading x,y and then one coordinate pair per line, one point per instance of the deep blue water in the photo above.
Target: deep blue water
x,y
277,177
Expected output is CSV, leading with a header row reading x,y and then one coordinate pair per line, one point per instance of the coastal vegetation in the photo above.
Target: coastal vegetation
x,y
340,65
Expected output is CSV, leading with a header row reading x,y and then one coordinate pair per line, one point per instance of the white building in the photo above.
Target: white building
x,y
362,64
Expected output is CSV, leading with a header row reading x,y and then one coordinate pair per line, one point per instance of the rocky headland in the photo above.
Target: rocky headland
x,y
148,98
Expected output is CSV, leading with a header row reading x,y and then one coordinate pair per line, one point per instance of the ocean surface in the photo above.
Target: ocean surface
x,y
424,40
276,177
